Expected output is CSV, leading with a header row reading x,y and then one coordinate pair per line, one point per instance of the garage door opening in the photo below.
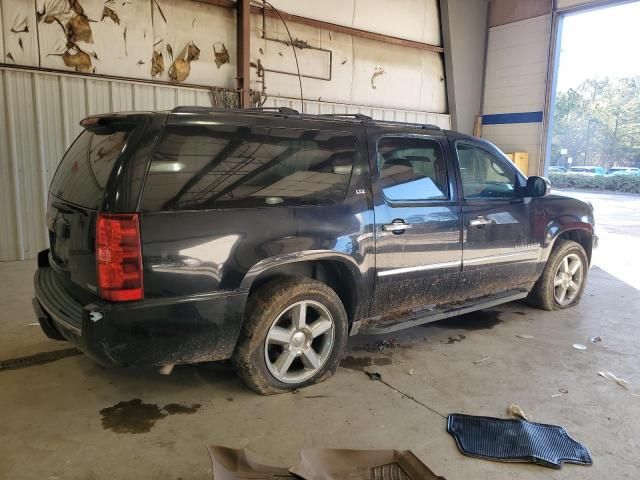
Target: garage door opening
x,y
593,138
594,123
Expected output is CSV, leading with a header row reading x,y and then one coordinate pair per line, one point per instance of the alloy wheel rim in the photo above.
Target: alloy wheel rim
x,y
299,341
568,279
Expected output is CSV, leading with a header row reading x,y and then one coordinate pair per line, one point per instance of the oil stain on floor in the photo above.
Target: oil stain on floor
x,y
358,363
457,338
135,416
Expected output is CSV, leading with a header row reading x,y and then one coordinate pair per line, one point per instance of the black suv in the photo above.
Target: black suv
x,y
269,236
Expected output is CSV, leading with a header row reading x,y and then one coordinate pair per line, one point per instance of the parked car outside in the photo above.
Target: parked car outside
x,y
269,237
556,169
589,171
624,171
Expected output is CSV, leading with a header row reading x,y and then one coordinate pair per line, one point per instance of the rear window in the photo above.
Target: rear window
x,y
85,169
201,167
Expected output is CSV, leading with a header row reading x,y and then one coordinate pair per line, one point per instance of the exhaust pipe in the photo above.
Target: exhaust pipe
x,y
166,369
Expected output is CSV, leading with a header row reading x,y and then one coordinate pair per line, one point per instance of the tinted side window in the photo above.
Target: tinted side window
x,y
412,169
197,167
483,174
85,169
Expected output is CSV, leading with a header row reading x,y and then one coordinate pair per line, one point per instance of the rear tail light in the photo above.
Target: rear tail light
x,y
118,257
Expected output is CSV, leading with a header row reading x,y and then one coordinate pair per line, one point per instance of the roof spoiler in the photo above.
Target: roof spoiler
x,y
105,124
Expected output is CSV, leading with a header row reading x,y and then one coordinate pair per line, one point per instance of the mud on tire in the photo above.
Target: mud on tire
x,y
543,293
266,307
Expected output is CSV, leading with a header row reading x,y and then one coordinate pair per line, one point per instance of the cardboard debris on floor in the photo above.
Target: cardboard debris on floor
x,y
515,411
329,464
610,376
323,464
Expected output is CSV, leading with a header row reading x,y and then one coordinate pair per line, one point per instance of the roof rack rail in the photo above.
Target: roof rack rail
x,y
286,110
357,116
276,109
187,109
425,126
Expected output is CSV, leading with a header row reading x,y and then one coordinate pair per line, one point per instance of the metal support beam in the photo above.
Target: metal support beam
x,y
242,38
356,32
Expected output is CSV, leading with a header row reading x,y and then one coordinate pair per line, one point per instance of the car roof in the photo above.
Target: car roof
x,y
289,113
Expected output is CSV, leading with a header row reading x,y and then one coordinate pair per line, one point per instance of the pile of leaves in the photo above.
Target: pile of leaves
x,y
615,183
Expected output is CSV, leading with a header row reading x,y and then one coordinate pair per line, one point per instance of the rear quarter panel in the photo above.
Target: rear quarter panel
x,y
188,253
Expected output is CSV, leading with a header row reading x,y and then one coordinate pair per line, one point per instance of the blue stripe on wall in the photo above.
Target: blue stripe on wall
x,y
502,118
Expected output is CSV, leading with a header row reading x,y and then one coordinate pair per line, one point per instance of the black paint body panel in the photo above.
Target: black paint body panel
x,y
199,265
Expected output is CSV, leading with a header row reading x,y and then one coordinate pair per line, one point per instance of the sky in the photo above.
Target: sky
x,y
600,43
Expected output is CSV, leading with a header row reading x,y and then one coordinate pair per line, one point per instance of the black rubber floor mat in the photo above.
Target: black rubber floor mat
x,y
515,441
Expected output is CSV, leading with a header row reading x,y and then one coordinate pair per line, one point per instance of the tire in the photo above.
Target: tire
x,y
273,318
545,293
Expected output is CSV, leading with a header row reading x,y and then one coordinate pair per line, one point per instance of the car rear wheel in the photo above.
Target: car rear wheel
x,y
293,335
564,277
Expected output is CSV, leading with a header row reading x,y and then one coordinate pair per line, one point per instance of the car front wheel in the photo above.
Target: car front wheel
x,y
564,277
294,333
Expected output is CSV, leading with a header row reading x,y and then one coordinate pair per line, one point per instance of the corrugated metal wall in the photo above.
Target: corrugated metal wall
x,y
397,115
39,115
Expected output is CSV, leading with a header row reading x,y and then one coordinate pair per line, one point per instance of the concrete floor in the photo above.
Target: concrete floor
x,y
52,426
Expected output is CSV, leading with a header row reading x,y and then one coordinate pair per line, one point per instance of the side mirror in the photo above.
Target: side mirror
x,y
537,187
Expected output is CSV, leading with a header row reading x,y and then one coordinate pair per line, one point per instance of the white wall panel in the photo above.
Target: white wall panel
x,y
409,19
39,118
185,21
515,82
143,98
19,32
2,57
73,106
117,48
516,66
396,115
22,126
365,72
11,232
48,104
98,97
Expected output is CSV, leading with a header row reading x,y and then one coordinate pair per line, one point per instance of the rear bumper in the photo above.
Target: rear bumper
x,y
150,332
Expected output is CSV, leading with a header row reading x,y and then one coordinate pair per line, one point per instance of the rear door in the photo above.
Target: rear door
x,y
418,222
499,249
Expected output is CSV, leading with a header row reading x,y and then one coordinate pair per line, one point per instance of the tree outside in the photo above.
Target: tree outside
x,y
597,123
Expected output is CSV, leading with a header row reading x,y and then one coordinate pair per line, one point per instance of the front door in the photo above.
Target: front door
x,y
499,251
418,222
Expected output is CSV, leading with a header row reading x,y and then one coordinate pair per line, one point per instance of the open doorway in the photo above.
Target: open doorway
x,y
594,123
593,138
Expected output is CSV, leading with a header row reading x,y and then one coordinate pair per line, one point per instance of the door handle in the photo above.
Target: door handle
x,y
396,226
481,221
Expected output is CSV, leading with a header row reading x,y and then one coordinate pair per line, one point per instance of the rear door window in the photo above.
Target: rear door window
x,y
82,176
201,167
412,169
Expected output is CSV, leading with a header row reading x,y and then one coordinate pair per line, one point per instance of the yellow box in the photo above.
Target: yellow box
x,y
521,159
